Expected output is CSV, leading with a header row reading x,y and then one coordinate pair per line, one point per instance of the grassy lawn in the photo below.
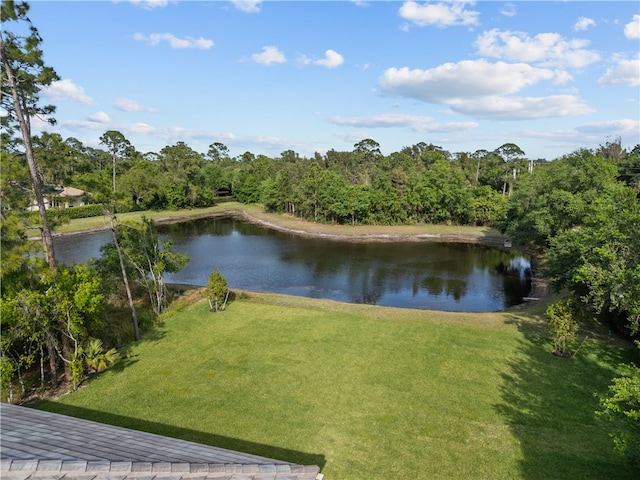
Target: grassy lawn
x,y
367,392
101,222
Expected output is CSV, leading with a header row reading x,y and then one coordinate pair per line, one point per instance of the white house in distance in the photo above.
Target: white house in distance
x,y
62,197
69,197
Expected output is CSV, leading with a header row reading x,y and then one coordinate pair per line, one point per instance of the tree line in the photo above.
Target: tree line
x,y
420,183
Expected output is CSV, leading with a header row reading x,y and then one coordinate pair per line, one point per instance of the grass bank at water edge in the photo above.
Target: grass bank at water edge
x,y
367,392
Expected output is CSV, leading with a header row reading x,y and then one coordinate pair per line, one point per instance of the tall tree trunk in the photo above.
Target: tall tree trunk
x,y
125,279
66,354
53,364
25,128
42,377
114,173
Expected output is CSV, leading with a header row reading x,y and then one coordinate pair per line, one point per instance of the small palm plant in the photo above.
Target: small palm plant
x,y
96,358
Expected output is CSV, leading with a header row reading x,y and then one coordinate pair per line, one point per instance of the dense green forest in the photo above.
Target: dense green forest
x,y
580,211
422,183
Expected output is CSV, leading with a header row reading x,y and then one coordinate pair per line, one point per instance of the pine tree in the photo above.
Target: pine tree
x,y
24,76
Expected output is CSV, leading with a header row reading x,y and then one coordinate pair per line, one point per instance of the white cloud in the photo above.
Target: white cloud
x,y
304,60
442,14
138,128
632,29
548,49
266,141
145,133
331,59
509,10
67,90
249,6
150,4
448,127
483,89
384,120
583,23
465,79
269,55
89,124
623,127
174,42
418,123
167,135
625,72
563,135
128,105
522,108
353,136
99,117
38,124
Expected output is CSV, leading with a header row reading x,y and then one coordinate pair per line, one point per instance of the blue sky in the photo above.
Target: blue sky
x,y
306,76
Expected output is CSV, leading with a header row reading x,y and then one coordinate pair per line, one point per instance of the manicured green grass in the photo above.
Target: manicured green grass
x,y
101,222
367,392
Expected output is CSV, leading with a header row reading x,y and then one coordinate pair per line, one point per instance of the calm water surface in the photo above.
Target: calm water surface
x,y
426,275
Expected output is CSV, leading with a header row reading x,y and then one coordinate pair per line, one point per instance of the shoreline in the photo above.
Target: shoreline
x,y
379,237
300,227
242,214
540,288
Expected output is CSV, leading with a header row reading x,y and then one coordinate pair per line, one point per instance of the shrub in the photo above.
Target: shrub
x,y
622,408
562,325
63,215
217,292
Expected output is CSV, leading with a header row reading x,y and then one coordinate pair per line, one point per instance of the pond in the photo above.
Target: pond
x,y
424,275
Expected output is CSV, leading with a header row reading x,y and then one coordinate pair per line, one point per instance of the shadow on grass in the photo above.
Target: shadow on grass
x,y
269,451
549,403
153,333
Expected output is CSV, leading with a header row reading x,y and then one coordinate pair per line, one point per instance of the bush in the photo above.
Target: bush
x,y
217,292
63,215
622,408
72,213
562,325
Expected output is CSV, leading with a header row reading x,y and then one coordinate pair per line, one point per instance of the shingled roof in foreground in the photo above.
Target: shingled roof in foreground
x,y
37,445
